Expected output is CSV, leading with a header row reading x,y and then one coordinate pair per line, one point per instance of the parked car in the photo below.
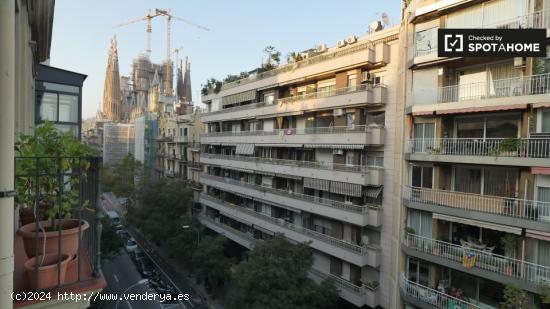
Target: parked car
x,y
131,245
138,254
145,267
113,215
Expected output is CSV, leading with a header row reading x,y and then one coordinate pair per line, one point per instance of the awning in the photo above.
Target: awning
x,y
317,184
424,113
345,188
264,173
481,224
239,97
542,104
540,170
335,146
482,109
289,176
245,149
374,192
538,235
296,113
280,145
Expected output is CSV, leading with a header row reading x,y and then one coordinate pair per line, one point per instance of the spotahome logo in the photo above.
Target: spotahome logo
x,y
491,43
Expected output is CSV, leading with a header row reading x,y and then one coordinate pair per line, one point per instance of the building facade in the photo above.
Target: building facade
x,y
475,183
307,150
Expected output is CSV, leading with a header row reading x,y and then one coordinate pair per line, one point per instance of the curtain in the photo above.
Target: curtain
x,y
543,257
500,181
421,222
468,180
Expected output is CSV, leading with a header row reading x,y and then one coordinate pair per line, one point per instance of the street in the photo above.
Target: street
x,y
121,273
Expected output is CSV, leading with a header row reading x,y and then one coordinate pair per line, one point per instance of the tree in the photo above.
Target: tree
x,y
161,206
183,244
121,178
110,242
210,263
276,276
514,298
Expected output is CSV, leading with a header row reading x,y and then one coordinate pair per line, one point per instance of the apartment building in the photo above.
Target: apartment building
x,y
476,177
306,150
178,141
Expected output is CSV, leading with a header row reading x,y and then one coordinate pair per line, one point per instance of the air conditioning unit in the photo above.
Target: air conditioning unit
x,y
338,112
352,39
519,62
342,43
338,151
322,48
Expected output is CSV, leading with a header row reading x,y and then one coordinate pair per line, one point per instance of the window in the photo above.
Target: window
x,y
350,119
48,106
349,158
59,108
423,134
336,266
425,42
352,81
421,222
375,159
269,98
493,126
545,121
377,119
422,176
486,181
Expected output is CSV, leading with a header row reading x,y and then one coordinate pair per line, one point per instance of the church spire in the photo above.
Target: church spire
x,y
187,82
112,108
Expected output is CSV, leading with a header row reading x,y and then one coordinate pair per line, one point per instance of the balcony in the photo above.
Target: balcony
x,y
506,151
485,264
427,298
334,98
357,295
356,214
69,249
194,146
356,135
195,185
496,209
195,165
356,254
324,170
514,92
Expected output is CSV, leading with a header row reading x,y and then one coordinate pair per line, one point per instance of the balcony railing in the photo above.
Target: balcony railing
x,y
501,88
492,147
502,265
306,96
228,228
298,163
194,145
293,131
498,205
280,222
294,195
433,297
343,283
62,191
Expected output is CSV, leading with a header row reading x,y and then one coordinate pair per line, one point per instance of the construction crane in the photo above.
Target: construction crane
x,y
149,28
169,16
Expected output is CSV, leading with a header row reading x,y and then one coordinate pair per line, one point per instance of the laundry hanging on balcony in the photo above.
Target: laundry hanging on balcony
x,y
245,149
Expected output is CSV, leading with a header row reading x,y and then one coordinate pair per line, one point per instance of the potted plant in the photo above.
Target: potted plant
x,y
47,270
49,168
409,231
514,298
509,243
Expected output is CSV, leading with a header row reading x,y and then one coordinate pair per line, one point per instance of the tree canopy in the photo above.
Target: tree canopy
x,y
210,262
276,277
121,178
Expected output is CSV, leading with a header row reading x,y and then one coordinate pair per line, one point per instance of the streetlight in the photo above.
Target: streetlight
x,y
186,227
142,281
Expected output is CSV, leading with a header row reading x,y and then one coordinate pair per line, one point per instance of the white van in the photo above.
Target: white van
x,y
113,215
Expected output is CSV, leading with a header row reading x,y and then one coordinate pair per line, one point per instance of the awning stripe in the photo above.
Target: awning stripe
x,y
244,149
373,191
538,235
482,109
335,146
239,97
481,224
317,184
345,188
280,145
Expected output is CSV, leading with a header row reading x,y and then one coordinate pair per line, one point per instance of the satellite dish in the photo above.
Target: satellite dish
x,y
385,19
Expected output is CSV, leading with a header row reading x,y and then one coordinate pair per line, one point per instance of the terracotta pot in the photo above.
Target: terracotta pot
x,y
72,266
47,270
69,237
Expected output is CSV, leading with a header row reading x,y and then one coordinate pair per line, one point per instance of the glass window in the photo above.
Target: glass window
x,y
502,126
468,180
59,87
545,121
500,181
425,42
336,266
350,118
376,118
68,108
48,106
269,98
422,176
352,81
471,127
490,292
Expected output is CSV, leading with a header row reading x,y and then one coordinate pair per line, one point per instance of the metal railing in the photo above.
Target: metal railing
x,y
298,163
433,297
228,228
294,131
343,283
494,147
193,145
62,196
501,88
280,222
470,257
294,195
537,20
195,165
498,205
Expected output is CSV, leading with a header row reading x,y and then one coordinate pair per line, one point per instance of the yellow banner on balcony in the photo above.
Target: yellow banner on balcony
x,y
469,259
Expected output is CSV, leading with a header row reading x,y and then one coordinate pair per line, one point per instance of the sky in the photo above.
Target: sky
x,y
239,32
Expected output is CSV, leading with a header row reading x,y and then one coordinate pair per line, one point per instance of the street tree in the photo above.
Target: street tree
x,y
210,263
111,243
276,277
121,178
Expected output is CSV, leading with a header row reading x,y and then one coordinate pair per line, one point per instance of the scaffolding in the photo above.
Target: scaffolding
x,y
145,150
118,141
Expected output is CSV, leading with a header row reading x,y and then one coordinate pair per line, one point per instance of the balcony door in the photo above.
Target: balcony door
x,y
421,176
423,134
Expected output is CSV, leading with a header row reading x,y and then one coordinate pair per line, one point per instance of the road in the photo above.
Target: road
x,y
127,274
121,274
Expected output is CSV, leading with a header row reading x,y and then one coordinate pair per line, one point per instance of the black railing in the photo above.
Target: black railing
x,y
60,220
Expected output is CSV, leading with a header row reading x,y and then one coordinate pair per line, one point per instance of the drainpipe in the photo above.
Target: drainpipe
x,y
7,134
